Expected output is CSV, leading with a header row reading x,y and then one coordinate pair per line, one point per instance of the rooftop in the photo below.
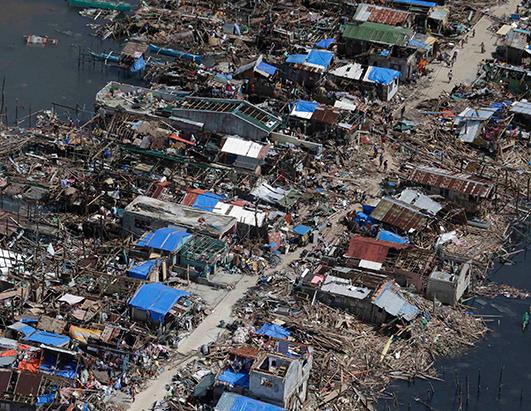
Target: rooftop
x,y
377,33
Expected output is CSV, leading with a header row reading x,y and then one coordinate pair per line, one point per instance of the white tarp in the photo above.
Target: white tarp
x,y
71,299
240,147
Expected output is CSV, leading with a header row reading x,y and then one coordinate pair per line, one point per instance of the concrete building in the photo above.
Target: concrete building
x,y
449,286
281,379
147,213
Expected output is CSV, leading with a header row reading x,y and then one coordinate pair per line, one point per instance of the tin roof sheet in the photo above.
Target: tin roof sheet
x,y
460,182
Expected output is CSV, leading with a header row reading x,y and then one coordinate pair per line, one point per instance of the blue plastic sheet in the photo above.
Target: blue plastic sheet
x,y
138,65
156,299
44,337
45,399
273,331
325,43
306,106
230,401
383,75
321,58
266,68
65,369
142,270
385,235
301,229
165,239
296,58
236,379
415,3
207,201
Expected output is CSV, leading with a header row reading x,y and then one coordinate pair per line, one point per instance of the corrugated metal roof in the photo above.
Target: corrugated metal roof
x,y
399,214
522,107
387,16
460,182
419,200
340,286
370,249
377,33
240,147
389,298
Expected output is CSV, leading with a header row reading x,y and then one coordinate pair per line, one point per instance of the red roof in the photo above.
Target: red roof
x,y
191,195
387,16
370,249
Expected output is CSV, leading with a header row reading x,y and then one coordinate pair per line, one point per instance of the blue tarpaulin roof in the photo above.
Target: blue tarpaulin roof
x,y
325,43
236,379
45,399
157,299
296,58
230,401
418,44
43,337
321,58
301,229
165,239
385,235
142,270
383,75
415,3
207,201
266,68
306,106
273,331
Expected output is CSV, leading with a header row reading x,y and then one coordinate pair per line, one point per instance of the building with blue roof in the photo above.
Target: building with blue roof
x,y
307,68
230,401
146,270
153,301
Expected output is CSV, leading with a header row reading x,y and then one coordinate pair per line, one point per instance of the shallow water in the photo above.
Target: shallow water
x,y
501,361
38,76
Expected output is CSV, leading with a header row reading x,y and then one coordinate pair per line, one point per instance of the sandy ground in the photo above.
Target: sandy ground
x,y
469,57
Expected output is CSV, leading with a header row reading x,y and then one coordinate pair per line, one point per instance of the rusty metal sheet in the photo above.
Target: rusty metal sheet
x,y
459,182
5,378
28,384
370,249
387,16
402,216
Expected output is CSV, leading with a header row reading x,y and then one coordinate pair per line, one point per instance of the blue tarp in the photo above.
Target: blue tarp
x,y
207,201
236,379
142,270
418,44
325,43
230,401
65,369
383,75
43,337
321,58
367,208
385,235
296,58
306,106
414,3
138,65
273,331
157,299
363,219
266,68
301,229
45,399
165,239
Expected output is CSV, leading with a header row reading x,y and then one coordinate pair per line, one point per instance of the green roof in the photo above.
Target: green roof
x,y
377,33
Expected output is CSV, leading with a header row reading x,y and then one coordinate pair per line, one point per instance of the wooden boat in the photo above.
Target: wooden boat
x,y
40,40
101,4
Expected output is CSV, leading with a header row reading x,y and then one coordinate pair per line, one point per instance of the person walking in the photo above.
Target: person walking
x,y
482,45
385,165
450,76
473,32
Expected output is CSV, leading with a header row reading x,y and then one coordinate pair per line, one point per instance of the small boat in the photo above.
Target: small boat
x,y
101,4
106,56
175,53
40,40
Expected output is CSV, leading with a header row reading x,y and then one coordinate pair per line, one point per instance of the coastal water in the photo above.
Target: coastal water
x,y
500,363
38,76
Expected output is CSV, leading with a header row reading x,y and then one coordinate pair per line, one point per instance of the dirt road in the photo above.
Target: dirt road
x,y
468,59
